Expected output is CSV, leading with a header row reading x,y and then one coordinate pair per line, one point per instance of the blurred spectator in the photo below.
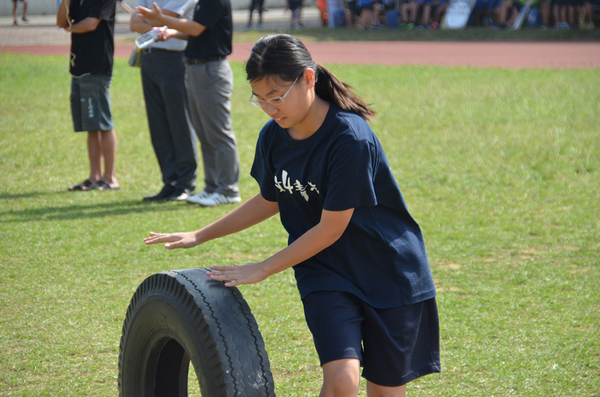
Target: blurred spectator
x,y
559,12
352,12
410,11
295,7
517,7
583,14
385,6
440,11
545,8
483,12
433,11
367,10
15,6
336,13
322,7
504,12
257,5
586,16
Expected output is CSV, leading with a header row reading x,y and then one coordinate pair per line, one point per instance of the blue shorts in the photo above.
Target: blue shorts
x,y
90,103
394,346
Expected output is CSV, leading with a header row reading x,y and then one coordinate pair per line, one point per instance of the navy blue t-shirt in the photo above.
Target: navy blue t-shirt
x,y
381,255
216,39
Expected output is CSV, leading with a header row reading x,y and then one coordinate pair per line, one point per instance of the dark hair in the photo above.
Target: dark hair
x,y
286,57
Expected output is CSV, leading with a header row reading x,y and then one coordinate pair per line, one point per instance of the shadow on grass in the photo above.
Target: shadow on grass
x,y
83,211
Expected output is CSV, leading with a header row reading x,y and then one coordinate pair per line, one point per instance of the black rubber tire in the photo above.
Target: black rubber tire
x,y
180,316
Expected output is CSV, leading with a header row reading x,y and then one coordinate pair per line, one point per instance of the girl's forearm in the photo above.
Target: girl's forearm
x,y
321,236
251,212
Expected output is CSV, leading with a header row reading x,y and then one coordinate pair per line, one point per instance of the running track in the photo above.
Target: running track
x,y
567,55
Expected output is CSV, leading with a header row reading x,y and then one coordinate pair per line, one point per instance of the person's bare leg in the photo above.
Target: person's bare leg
x,y
108,142
374,390
341,378
24,17
15,4
94,155
571,16
426,18
545,10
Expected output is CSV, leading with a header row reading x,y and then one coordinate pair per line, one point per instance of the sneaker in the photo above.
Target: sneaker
x,y
180,194
25,20
194,199
217,199
165,192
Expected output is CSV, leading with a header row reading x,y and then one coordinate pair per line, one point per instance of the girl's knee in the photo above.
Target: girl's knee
x,y
341,378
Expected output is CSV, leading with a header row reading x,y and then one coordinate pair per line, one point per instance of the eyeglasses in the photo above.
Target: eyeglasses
x,y
276,101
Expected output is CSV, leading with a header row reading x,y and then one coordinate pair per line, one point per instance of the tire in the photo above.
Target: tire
x,y
180,316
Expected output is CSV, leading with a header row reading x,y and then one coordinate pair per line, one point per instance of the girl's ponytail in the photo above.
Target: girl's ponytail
x,y
286,57
330,88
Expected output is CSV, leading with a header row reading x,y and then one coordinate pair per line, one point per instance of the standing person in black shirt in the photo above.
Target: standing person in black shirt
x,y
92,25
209,82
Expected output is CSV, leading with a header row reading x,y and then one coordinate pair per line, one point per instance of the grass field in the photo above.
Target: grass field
x,y
500,167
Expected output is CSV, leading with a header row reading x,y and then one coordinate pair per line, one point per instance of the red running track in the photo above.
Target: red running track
x,y
563,55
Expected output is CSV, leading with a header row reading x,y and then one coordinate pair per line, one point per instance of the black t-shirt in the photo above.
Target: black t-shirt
x,y
216,39
381,256
93,52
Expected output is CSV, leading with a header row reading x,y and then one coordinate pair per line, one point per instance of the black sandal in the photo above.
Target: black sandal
x,y
103,185
83,186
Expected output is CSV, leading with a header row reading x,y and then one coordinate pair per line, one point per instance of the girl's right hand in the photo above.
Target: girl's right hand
x,y
174,240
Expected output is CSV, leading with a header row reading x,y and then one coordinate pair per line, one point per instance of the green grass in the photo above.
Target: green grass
x,y
500,167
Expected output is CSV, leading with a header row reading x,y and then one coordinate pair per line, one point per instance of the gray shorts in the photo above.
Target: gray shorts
x,y
90,103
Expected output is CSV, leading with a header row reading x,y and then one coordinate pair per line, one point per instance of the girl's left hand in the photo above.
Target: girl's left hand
x,y
152,15
249,273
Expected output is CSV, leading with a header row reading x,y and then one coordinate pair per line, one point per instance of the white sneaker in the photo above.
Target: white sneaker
x,y
217,199
194,199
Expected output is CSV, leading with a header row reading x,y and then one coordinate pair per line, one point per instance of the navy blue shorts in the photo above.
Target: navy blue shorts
x,y
394,346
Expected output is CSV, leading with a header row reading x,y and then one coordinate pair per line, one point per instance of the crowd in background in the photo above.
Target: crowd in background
x,y
429,14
